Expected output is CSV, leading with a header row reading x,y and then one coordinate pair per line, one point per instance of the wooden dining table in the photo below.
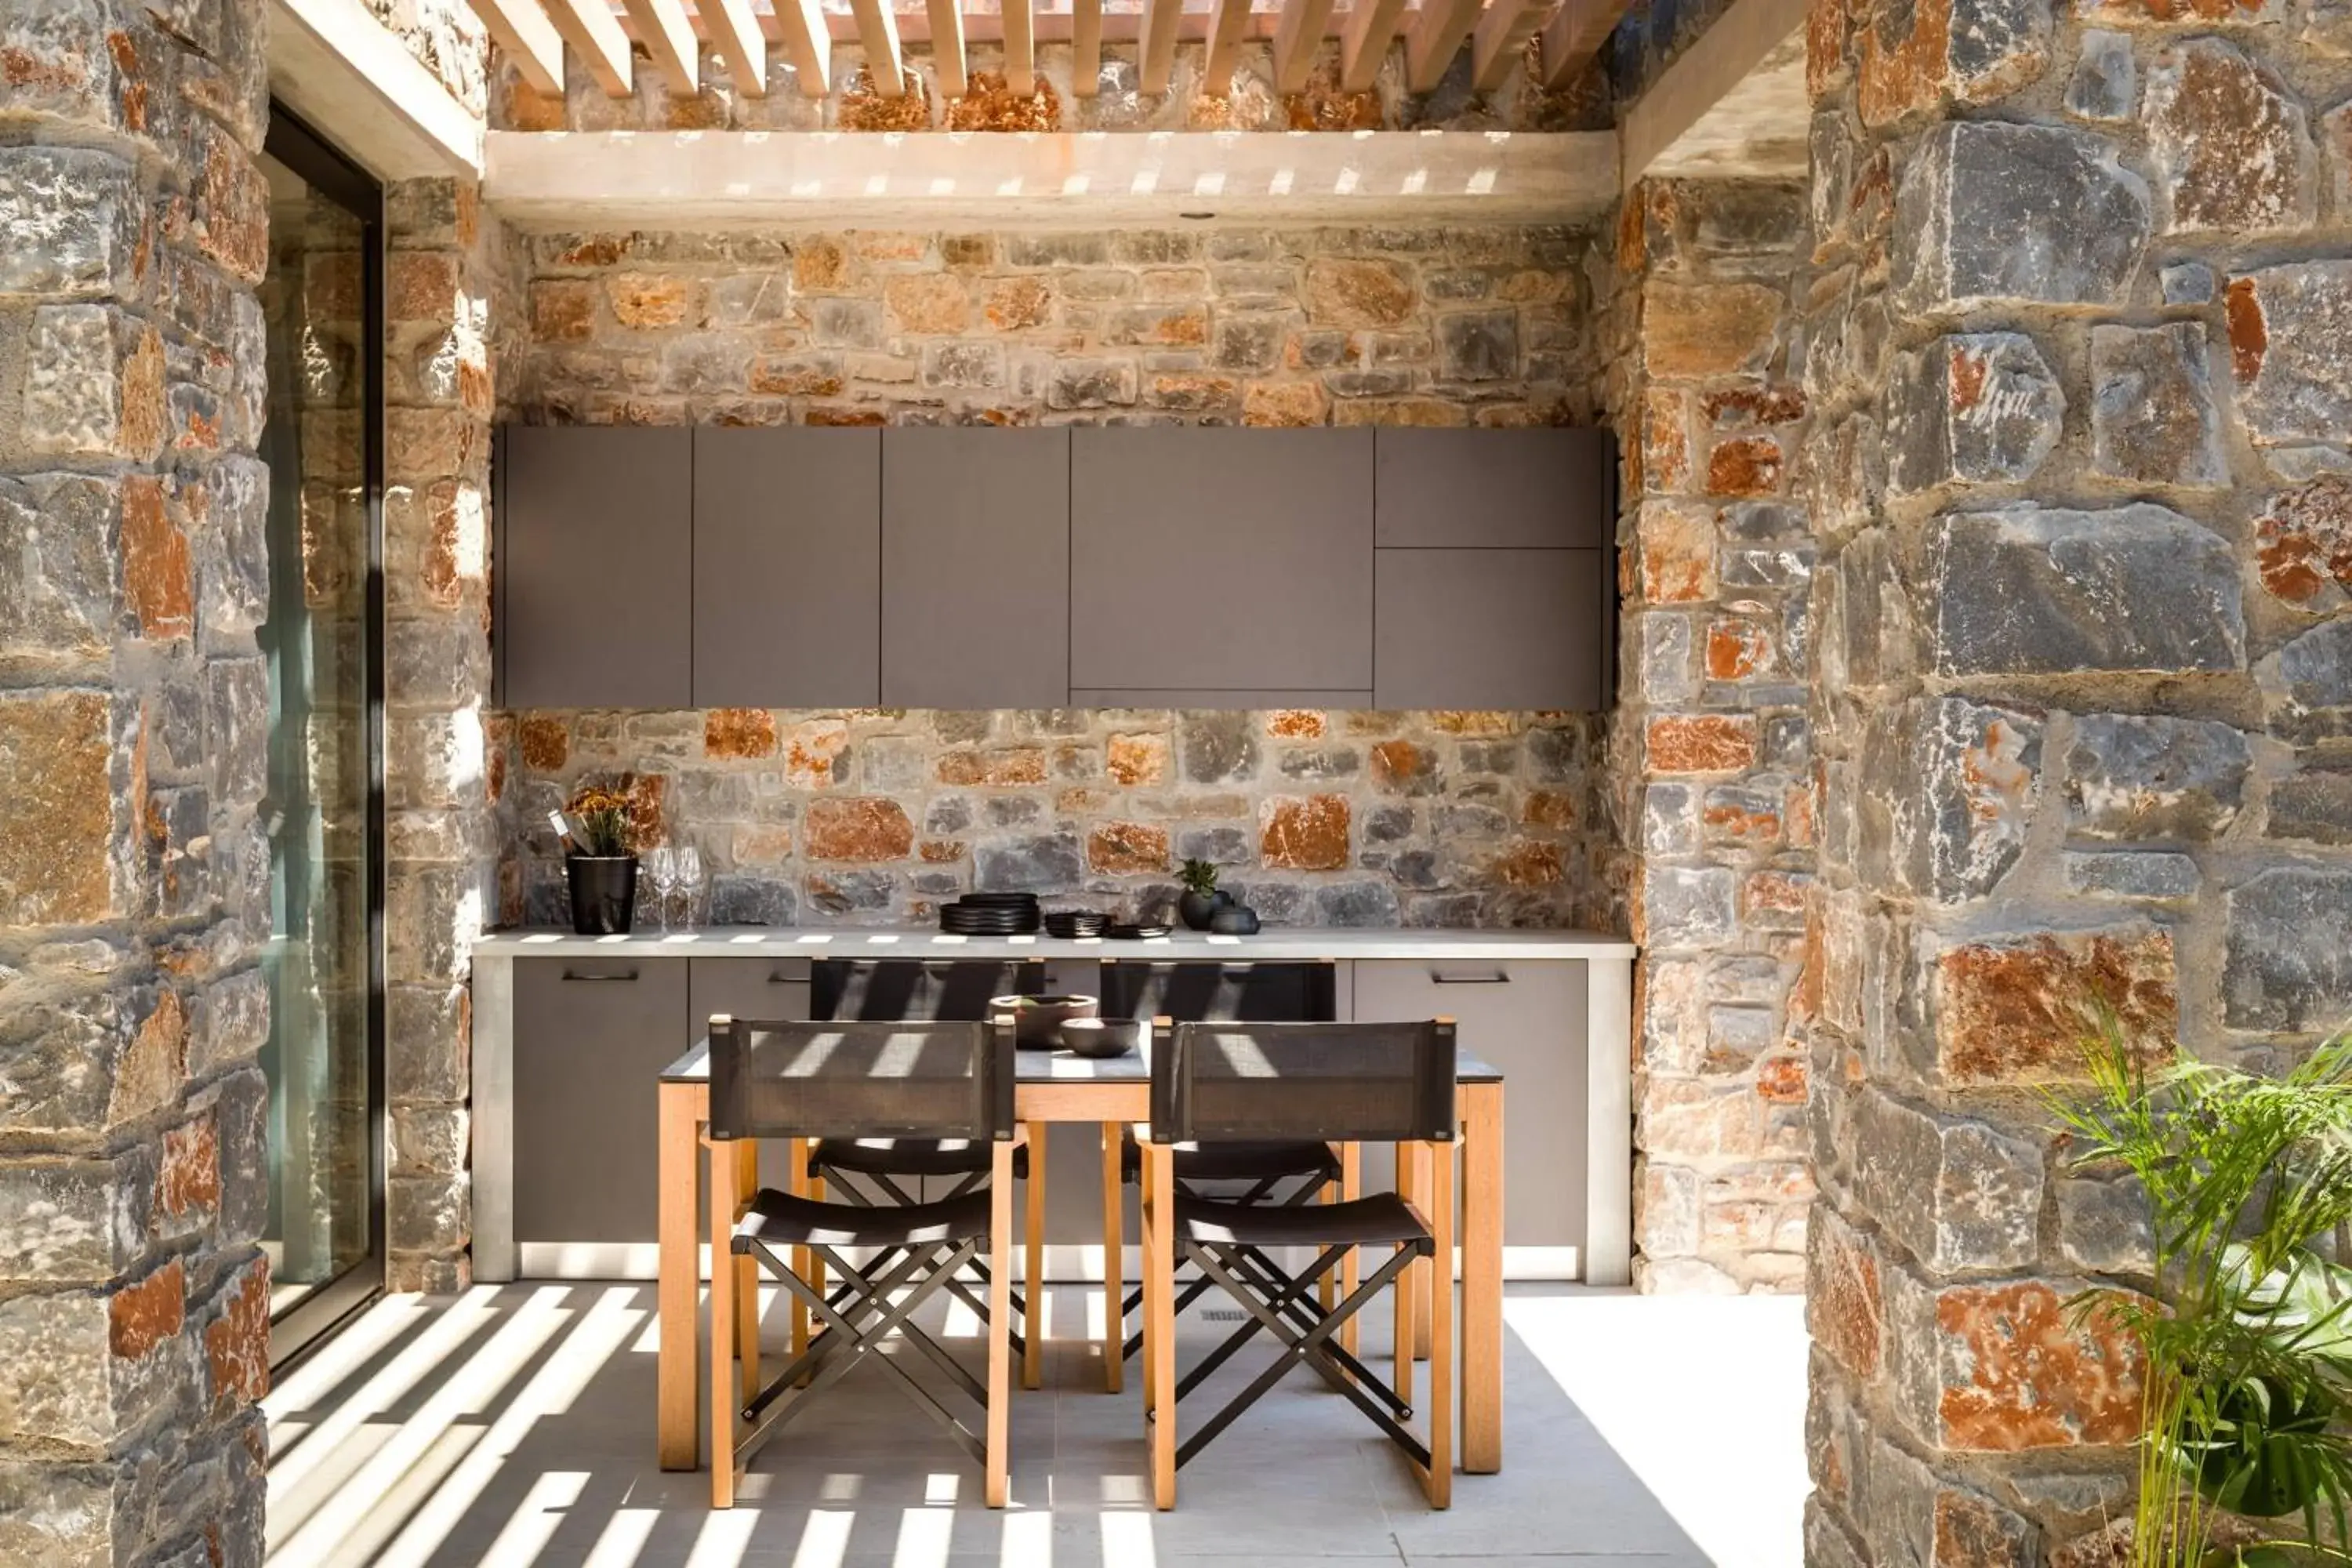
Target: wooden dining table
x,y
1113,1094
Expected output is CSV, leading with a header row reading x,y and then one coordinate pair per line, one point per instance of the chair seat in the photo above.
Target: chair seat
x,y
1252,1160
909,1157
1383,1217
780,1219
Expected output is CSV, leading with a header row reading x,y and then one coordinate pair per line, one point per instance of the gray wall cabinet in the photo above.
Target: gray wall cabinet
x,y
1494,489
1236,561
1511,629
787,568
1156,566
590,1038
975,568
597,579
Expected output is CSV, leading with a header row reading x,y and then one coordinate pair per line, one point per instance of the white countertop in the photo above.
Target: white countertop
x,y
845,941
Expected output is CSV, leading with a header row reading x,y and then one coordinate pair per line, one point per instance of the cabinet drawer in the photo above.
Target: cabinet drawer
x,y
590,1038
1526,1018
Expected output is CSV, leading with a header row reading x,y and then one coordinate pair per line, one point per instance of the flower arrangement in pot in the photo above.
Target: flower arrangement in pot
x,y
600,866
1202,898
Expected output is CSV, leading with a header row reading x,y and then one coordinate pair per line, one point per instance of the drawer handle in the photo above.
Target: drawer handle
x,y
1499,977
574,974
788,979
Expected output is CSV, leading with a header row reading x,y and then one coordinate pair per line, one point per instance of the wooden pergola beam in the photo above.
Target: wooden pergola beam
x,y
1575,34
670,38
1225,24
877,28
1364,43
735,33
528,39
1495,42
1438,29
1156,52
589,27
1085,47
947,45
1296,38
1020,47
808,42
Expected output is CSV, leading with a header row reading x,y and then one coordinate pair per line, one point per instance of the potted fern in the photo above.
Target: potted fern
x,y
2245,1321
600,866
1202,898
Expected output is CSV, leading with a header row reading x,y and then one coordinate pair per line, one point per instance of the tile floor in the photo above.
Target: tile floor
x,y
513,1425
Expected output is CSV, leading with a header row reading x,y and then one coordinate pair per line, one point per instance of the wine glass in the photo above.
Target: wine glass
x,y
689,882
661,868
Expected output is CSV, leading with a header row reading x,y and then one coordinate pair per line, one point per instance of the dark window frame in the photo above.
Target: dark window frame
x,y
309,1321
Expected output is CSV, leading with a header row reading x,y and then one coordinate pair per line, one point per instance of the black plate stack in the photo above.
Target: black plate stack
x,y
991,914
1075,925
1125,932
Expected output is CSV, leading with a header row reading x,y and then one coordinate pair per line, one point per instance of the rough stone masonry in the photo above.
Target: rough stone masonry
x,y
2077,344
135,1302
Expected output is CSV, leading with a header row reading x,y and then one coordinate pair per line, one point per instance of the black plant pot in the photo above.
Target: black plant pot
x,y
1197,910
604,893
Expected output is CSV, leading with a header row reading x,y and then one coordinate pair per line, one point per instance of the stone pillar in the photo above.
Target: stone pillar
x,y
2080,358
134,1301
1710,772
442,776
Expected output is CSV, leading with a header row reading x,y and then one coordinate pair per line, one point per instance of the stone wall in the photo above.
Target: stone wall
x,y
1710,777
449,288
1346,818
134,1301
2080,362
1316,818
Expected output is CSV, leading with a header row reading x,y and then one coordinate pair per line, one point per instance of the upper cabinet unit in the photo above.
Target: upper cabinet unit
x,y
1221,560
1494,489
975,598
787,568
596,582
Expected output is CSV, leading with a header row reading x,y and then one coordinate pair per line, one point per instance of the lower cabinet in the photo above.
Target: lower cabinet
x,y
1526,1018
590,1038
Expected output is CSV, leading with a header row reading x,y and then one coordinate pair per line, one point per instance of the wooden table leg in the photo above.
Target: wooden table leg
x,y
1423,1273
676,1404
1352,1187
1114,1199
1000,1320
1403,1294
1482,1278
1033,1305
722,1326
1160,1308
746,1269
797,1151
1441,1328
1327,1290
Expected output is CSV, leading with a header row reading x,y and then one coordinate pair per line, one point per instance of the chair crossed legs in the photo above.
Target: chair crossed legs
x,y
800,1079
1371,1082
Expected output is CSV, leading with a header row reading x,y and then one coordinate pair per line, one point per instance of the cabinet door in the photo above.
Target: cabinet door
x,y
765,988
590,1038
1513,629
975,568
1489,490
598,580
787,568
1205,560
1526,1018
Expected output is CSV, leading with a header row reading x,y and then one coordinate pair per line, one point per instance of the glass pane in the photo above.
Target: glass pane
x,y
316,645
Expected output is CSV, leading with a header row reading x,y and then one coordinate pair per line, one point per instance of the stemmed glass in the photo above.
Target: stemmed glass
x,y
661,868
689,882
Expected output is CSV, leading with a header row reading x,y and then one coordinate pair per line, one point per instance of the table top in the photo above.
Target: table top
x,y
1276,942
1061,1066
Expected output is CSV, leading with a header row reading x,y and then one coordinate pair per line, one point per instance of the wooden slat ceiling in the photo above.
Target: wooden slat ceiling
x,y
535,33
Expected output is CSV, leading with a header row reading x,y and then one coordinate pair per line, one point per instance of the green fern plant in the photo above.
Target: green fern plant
x,y
2246,1326
1198,877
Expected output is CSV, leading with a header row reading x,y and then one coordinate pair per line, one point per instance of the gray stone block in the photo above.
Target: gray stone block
x,y
1993,213
2288,967
2045,591
2122,874
2153,415
1687,906
2229,145
2106,84
2290,347
1982,408
2139,778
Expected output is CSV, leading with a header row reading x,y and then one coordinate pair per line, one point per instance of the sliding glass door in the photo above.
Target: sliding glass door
x,y
322,304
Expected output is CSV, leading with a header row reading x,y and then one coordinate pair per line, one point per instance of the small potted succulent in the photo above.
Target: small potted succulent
x,y
599,866
1202,898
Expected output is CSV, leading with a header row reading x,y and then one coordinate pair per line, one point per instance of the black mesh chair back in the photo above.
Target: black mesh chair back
x,y
910,990
1334,1082
1220,993
795,1080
